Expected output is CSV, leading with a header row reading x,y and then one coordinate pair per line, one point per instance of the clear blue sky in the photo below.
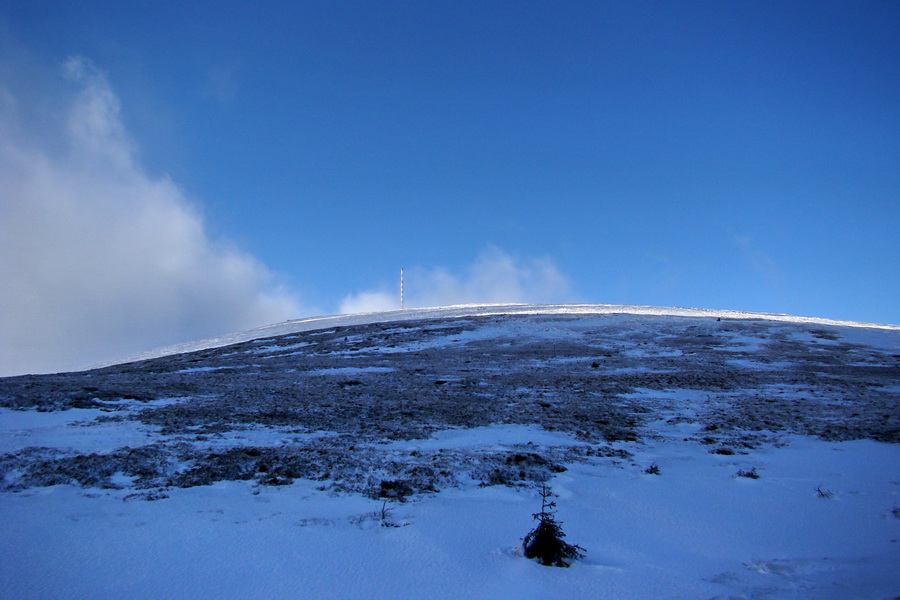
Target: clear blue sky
x,y
741,155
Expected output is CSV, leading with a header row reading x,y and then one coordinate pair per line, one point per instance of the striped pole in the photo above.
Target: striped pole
x,y
401,288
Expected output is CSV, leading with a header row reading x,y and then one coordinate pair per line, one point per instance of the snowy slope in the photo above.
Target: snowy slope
x,y
468,310
399,457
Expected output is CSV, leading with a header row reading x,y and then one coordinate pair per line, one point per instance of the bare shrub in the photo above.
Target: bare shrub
x,y
824,492
751,474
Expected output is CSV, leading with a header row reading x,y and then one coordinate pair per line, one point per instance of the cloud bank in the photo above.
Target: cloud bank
x,y
494,277
99,259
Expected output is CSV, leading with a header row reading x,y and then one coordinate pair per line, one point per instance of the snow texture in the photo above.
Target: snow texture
x,y
400,455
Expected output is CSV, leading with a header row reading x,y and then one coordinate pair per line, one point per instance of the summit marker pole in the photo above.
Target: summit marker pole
x,y
401,288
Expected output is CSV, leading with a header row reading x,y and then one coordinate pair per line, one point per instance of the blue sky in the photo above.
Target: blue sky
x,y
288,158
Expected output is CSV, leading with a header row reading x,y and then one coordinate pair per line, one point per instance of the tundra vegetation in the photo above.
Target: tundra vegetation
x,y
331,405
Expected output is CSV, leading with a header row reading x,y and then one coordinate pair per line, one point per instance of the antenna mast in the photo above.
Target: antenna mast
x,y
401,288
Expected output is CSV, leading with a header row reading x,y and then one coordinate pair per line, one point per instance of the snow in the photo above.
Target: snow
x,y
280,349
868,334
76,429
271,437
350,370
494,436
695,531
821,522
205,369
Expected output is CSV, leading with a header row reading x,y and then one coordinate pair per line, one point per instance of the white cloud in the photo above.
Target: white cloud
x,y
99,259
373,301
494,277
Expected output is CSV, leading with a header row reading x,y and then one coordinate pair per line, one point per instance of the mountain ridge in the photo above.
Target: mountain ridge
x,y
467,310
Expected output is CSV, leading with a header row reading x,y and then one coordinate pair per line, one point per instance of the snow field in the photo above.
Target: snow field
x,y
617,391
694,531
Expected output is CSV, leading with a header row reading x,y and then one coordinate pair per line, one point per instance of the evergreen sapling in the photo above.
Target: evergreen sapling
x,y
545,542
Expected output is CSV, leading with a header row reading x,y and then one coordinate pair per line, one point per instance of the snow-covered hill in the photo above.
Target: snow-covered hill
x,y
696,454
470,310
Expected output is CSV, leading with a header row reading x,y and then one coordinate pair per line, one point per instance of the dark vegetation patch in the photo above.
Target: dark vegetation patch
x,y
748,473
653,469
376,472
40,467
527,467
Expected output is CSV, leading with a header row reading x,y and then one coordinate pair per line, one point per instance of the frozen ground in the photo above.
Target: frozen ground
x,y
471,310
400,459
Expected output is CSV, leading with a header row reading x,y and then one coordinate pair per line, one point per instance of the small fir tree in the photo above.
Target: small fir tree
x,y
545,542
